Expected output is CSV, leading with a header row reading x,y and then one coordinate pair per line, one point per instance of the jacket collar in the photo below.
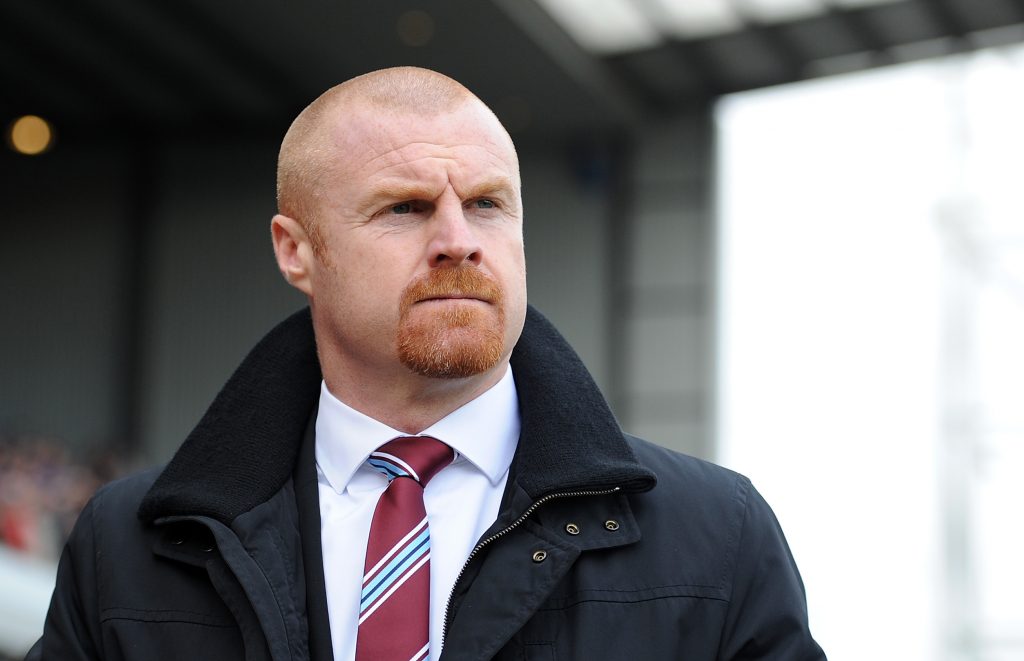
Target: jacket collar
x,y
244,447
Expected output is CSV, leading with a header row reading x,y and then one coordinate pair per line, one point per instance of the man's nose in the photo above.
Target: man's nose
x,y
453,240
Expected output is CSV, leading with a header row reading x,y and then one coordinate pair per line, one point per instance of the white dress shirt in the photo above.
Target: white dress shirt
x,y
461,500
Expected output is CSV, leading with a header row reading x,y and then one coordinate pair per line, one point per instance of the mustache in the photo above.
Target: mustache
x,y
459,281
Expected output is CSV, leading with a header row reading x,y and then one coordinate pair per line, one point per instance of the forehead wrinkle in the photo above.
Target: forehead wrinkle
x,y
393,150
450,165
447,152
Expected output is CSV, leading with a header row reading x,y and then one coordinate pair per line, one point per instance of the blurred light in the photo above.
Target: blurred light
x,y
856,4
604,26
415,28
30,135
697,18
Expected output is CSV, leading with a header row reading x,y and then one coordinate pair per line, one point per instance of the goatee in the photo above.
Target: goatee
x,y
455,340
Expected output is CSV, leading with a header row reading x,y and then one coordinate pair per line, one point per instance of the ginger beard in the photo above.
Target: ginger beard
x,y
451,339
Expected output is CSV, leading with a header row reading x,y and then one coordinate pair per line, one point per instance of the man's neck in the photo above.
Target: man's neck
x,y
409,402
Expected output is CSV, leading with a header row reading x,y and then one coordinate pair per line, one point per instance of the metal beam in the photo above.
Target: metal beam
x,y
949,21
586,69
694,56
774,39
141,54
264,72
856,23
619,247
26,32
772,36
136,281
690,53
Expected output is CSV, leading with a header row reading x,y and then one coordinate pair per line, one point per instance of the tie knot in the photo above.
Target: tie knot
x,y
418,457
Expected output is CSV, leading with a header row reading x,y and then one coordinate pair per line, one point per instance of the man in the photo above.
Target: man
x,y
538,531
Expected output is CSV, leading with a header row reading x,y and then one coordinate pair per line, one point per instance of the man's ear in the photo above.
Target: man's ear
x,y
294,252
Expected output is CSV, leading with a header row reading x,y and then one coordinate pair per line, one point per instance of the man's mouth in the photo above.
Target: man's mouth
x,y
447,287
454,296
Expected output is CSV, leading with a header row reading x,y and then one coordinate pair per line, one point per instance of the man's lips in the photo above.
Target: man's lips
x,y
454,297
455,287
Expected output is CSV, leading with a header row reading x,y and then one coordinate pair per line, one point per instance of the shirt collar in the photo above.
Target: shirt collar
x,y
483,431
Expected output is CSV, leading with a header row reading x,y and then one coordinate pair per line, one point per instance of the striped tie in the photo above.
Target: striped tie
x,y
394,611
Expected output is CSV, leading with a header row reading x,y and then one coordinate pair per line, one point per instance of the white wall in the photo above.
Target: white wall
x,y
871,362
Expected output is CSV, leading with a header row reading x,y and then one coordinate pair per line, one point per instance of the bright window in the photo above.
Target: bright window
x,y
871,365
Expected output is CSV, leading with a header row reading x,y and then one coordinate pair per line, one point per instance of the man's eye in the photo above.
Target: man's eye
x,y
404,207
485,204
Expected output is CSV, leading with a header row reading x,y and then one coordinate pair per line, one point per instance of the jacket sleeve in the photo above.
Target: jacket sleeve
x,y
767,616
71,630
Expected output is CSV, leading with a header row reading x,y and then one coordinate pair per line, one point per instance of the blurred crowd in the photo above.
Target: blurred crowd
x,y
43,488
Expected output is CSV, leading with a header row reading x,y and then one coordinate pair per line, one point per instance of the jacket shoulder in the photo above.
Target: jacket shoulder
x,y
722,535
109,531
682,475
118,501
697,518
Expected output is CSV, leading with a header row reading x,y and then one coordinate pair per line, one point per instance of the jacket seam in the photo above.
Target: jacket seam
x,y
97,502
125,618
573,604
155,610
744,485
169,615
653,587
735,536
273,588
576,600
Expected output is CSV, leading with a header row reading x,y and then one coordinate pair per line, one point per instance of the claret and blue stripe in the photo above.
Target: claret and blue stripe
x,y
394,569
391,466
393,612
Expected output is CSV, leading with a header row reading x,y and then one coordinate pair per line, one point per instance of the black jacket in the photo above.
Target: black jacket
x,y
218,555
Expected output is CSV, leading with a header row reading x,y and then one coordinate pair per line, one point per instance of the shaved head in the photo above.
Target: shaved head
x,y
306,152
401,220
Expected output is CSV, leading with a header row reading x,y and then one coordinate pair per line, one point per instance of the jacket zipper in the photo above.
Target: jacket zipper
x,y
501,533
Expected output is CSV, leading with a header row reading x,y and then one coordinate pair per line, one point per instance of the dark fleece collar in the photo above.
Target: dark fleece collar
x,y
244,447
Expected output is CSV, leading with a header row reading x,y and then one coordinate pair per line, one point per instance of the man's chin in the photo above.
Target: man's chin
x,y
451,352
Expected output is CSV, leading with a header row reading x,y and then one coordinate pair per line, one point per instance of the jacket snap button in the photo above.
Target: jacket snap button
x,y
539,556
572,529
611,524
178,541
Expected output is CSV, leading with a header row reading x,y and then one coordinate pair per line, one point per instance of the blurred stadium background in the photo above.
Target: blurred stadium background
x,y
785,235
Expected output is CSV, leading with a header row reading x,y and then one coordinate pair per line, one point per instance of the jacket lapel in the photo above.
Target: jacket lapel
x,y
307,498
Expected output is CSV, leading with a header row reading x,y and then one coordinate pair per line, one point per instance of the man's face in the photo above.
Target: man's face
x,y
422,267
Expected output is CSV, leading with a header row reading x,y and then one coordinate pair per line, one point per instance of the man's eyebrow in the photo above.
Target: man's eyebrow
x,y
398,192
498,186
401,191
